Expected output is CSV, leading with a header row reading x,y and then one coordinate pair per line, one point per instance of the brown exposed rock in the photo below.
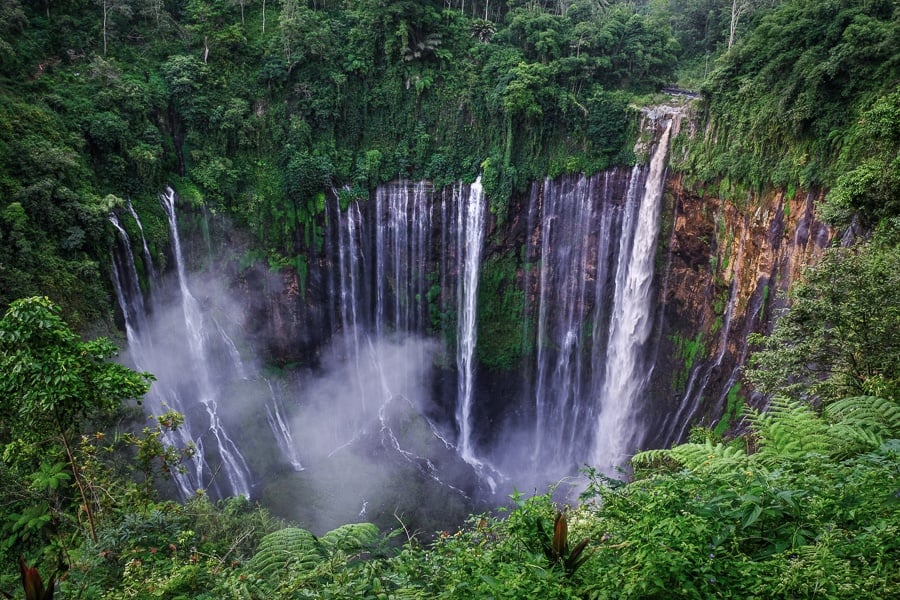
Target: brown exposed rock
x,y
730,265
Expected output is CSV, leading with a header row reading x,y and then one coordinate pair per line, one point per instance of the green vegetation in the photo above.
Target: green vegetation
x,y
840,336
54,387
733,406
809,98
256,110
501,315
801,503
686,351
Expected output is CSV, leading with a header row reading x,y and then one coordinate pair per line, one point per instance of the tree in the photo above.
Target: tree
x,y
12,20
839,337
109,7
739,8
211,20
53,383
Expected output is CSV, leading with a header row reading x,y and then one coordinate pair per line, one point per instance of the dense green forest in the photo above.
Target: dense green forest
x,y
255,110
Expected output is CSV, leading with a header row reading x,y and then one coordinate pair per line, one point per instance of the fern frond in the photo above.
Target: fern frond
x,y
352,538
789,429
707,456
879,415
852,438
651,457
289,548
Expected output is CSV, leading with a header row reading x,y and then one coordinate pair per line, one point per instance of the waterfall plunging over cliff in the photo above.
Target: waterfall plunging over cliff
x,y
394,374
594,241
393,238
184,343
469,245
627,371
198,336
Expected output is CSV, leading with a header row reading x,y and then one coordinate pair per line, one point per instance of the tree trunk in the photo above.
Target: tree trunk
x,y
738,8
79,483
105,17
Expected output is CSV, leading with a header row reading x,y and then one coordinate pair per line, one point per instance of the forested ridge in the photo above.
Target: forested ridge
x,y
256,110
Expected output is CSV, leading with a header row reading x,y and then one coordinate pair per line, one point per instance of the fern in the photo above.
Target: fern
x,y
353,538
290,548
879,415
862,423
294,554
707,456
789,430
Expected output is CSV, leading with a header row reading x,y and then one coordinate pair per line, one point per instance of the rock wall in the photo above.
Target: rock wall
x,y
726,272
723,271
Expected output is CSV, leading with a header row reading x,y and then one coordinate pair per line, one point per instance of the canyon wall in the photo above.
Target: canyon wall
x,y
725,273
598,316
723,269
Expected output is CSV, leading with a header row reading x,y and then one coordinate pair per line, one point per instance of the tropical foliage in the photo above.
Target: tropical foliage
x,y
257,109
803,503
839,337
807,100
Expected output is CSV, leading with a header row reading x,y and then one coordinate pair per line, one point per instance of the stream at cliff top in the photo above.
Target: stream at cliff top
x,y
398,412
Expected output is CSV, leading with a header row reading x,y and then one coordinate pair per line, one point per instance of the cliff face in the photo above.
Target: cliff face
x,y
722,272
727,269
549,301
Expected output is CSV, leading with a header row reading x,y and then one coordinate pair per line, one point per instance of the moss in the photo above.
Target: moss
x,y
765,302
685,351
734,403
300,264
501,313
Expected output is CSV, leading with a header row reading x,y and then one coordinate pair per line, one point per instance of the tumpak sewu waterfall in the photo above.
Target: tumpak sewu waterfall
x,y
398,379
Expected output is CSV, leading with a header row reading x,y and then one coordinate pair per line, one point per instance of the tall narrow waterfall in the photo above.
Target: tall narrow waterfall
x,y
469,245
402,225
192,350
233,464
579,219
626,370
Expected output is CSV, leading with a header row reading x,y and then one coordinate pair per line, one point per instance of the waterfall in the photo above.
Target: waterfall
x,y
233,464
392,238
178,332
140,342
593,240
579,216
284,437
399,275
131,301
631,324
469,245
402,224
148,260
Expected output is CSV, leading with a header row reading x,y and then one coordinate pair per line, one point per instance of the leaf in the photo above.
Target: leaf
x,y
33,584
351,538
289,548
560,535
751,517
